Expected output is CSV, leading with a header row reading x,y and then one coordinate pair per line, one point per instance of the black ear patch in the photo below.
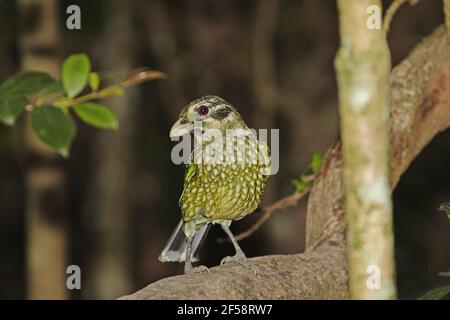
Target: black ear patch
x,y
221,113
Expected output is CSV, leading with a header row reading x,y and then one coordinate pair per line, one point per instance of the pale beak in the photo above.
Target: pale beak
x,y
180,129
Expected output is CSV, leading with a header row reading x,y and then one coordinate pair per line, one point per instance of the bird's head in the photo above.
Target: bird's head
x,y
211,112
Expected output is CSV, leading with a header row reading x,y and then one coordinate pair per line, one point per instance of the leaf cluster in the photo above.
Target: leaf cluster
x,y
306,179
52,103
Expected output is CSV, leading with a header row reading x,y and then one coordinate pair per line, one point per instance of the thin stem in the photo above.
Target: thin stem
x,y
390,12
113,90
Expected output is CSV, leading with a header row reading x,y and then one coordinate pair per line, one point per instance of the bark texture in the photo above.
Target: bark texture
x,y
419,109
363,67
447,17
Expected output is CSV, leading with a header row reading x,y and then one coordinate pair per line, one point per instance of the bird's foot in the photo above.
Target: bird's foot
x,y
242,260
191,270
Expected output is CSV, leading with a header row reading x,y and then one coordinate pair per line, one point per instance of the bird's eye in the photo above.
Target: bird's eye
x,y
203,110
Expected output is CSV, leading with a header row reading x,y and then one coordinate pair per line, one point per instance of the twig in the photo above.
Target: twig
x,y
390,12
117,89
284,203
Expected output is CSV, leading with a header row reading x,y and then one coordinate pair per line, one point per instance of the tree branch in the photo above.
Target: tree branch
x,y
363,65
392,10
447,17
420,109
267,211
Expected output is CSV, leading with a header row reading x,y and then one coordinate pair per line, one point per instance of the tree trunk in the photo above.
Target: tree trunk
x,y
447,17
419,109
45,179
109,212
363,65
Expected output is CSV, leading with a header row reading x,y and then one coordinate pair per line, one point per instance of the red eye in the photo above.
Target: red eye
x,y
203,110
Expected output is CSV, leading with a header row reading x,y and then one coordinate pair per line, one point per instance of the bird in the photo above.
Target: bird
x,y
221,187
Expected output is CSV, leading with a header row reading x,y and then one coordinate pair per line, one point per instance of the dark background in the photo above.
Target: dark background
x,y
121,192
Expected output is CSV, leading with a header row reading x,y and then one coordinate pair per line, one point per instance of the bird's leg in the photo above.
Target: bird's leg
x,y
240,256
188,268
187,263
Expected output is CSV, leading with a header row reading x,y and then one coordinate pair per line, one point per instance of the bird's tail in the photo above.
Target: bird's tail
x,y
175,249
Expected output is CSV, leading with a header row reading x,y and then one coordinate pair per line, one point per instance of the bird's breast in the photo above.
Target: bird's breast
x,y
229,189
227,192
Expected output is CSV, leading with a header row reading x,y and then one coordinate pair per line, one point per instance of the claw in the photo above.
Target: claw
x,y
199,269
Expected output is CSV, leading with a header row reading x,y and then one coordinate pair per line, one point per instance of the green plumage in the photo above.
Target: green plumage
x,y
224,191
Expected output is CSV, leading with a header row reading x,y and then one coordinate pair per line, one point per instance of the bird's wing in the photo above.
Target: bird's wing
x,y
264,157
188,174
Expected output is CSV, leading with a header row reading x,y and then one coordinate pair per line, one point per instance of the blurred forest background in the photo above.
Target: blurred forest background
x,y
111,206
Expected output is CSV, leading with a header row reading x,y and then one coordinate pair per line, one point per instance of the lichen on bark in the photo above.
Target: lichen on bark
x,y
363,69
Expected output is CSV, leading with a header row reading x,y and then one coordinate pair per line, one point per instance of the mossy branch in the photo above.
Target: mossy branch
x,y
363,68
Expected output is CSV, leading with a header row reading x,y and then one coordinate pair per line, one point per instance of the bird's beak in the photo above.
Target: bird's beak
x,y
180,129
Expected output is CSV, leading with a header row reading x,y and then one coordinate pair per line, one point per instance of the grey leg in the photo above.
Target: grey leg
x,y
237,248
187,263
188,268
240,256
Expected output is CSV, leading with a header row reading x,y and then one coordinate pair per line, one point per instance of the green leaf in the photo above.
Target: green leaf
x,y
436,294
301,185
446,208
53,89
75,73
26,83
54,127
11,107
94,81
97,115
316,162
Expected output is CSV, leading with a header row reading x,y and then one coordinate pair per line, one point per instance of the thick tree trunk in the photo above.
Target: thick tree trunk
x,y
419,109
45,179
